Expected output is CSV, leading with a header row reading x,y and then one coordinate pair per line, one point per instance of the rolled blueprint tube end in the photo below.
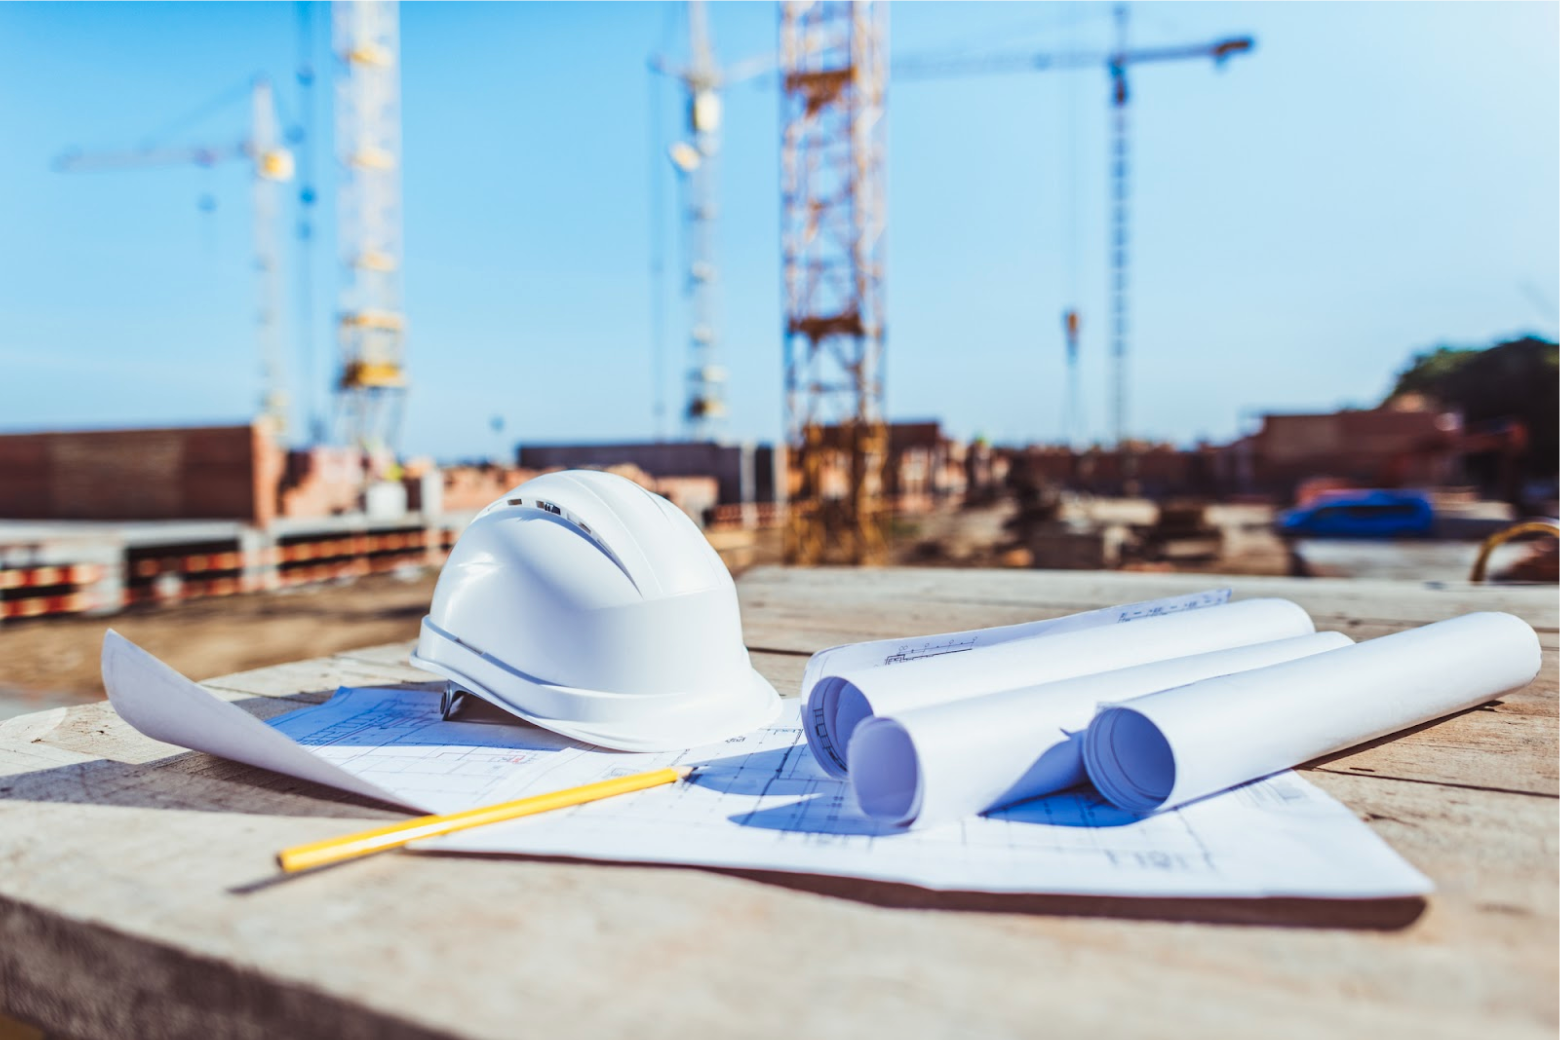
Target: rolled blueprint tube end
x,y
832,710
891,789
1129,760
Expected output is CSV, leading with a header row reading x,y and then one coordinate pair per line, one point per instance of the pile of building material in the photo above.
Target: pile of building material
x,y
94,521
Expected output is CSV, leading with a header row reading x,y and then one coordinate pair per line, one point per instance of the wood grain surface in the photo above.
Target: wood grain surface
x,y
129,905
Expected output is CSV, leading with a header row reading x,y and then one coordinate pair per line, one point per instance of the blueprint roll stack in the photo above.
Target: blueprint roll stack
x,y
948,761
1169,748
844,698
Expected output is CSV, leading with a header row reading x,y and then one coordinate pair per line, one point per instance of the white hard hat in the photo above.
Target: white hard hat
x,y
584,603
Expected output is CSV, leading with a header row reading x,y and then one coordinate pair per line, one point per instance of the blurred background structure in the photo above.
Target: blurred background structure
x,y
833,198
1313,318
271,165
372,327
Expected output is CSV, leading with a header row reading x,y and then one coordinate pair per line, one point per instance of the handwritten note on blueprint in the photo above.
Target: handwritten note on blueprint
x,y
762,803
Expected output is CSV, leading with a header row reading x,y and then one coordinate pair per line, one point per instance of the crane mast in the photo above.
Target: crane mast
x,y
271,165
696,158
834,64
1116,63
1120,229
271,169
371,328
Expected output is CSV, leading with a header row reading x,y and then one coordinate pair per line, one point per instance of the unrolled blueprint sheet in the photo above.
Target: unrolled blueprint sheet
x,y
761,803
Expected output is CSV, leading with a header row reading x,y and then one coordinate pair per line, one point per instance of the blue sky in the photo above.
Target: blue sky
x,y
1374,180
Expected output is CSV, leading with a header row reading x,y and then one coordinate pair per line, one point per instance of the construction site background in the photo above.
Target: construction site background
x,y
228,547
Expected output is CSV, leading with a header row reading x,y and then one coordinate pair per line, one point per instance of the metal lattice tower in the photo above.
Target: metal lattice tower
x,y
1116,63
705,411
272,165
371,329
1120,214
696,160
834,64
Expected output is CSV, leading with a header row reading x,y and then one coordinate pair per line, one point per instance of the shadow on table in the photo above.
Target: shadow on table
x,y
1366,914
827,813
191,781
822,805
1351,914
1394,737
215,786
821,811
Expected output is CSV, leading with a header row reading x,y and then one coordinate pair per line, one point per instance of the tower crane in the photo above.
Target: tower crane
x,y
1115,63
695,159
272,166
371,330
833,156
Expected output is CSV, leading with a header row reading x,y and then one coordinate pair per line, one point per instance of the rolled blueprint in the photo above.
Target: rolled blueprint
x,y
840,700
1168,748
947,761
838,659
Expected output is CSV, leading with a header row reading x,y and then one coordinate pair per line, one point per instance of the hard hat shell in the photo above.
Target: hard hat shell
x,y
585,604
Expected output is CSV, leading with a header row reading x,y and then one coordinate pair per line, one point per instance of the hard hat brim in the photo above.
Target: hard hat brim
x,y
699,719
757,707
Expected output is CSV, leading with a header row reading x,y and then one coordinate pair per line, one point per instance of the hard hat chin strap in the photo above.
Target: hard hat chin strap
x,y
450,701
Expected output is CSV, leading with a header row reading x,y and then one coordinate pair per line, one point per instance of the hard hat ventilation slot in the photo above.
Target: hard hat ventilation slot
x,y
569,518
548,507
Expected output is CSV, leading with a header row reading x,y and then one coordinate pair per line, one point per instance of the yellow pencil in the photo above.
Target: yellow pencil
x,y
334,850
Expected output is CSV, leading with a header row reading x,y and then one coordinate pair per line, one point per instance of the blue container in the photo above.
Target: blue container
x,y
1361,514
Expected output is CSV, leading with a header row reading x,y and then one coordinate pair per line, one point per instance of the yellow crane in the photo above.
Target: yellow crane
x,y
272,165
371,328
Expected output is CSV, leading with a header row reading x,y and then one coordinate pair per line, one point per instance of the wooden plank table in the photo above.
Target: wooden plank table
x,y
119,860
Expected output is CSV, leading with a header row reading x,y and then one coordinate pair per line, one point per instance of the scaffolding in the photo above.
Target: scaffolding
x,y
834,67
371,329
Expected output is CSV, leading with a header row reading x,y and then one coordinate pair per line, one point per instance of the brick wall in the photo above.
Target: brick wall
x,y
192,473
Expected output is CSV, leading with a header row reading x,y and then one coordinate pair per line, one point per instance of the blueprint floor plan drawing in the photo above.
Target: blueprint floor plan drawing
x,y
761,802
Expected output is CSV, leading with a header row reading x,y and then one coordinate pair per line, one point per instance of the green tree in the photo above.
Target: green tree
x,y
1518,379
1432,370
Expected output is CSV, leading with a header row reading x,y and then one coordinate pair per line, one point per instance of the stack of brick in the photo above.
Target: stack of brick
x,y
192,473
696,496
469,488
321,482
